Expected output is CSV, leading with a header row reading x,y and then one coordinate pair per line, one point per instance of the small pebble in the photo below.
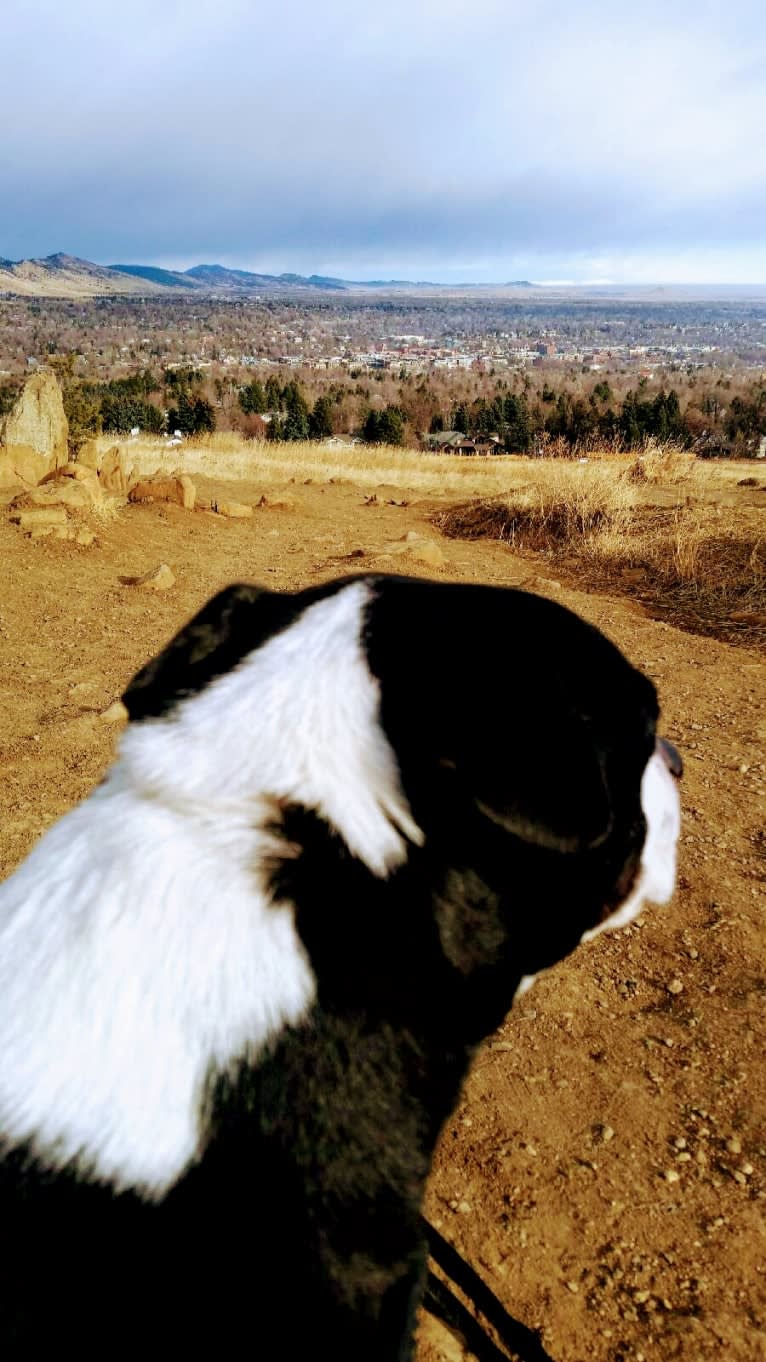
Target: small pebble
x,y
675,986
671,1175
573,1287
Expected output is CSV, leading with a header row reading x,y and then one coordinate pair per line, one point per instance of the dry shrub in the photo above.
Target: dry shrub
x,y
662,462
694,548
564,507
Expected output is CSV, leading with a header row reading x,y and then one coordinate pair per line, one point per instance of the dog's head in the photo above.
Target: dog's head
x,y
476,748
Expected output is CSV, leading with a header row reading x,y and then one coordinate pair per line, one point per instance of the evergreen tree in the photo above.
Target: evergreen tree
x,y
296,422
273,394
320,420
252,398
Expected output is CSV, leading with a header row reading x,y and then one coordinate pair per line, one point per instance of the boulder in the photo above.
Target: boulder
x,y
417,547
177,488
115,714
159,578
37,421
71,532
39,515
21,466
80,472
62,492
89,456
114,474
232,508
426,551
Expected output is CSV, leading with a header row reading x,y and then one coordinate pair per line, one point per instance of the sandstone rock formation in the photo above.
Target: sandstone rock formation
x,y
176,487
62,491
236,509
33,436
37,516
115,472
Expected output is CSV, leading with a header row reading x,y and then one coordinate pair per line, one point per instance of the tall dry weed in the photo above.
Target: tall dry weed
x,y
563,507
662,462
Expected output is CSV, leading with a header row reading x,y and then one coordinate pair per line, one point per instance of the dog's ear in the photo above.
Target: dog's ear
x,y
228,627
526,710
537,771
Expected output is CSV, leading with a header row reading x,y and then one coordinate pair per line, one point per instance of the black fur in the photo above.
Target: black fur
x,y
521,735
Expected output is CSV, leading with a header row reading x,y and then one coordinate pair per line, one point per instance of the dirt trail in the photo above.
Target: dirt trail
x,y
605,1171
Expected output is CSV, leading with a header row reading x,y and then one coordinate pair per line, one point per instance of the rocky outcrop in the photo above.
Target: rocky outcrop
x,y
79,491
175,487
33,436
21,466
115,472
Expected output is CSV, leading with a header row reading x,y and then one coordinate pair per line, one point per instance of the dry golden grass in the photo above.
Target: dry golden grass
x,y
229,457
565,506
697,547
696,552
594,506
667,463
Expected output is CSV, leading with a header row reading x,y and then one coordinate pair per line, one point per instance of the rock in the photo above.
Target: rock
x,y
114,714
276,503
39,515
426,551
37,421
439,1341
89,456
85,537
177,488
189,491
21,466
159,578
80,472
63,492
232,508
114,474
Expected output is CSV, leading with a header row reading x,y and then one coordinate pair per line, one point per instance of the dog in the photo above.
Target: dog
x,y
243,981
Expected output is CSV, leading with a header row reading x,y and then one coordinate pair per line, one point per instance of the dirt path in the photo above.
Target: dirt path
x,y
605,1172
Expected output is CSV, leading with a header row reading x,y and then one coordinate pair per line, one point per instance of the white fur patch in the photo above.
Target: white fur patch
x,y
657,875
137,945
298,719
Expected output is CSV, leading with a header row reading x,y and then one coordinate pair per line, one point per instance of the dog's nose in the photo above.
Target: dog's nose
x,y
671,757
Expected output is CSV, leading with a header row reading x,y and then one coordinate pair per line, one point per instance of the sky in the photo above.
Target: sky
x,y
449,140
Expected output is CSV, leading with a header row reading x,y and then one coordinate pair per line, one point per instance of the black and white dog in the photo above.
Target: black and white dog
x,y
241,984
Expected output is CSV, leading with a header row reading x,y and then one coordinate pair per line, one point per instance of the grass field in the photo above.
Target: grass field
x,y
661,524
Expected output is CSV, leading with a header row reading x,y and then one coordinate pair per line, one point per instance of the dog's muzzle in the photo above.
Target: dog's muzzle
x,y
671,757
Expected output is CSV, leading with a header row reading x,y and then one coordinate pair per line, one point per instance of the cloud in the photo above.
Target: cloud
x,y
318,137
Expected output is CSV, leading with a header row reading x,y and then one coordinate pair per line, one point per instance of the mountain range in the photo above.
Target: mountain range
x,y
67,276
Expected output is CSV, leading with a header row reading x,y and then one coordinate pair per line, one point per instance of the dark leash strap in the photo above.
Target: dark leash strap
x,y
441,1301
